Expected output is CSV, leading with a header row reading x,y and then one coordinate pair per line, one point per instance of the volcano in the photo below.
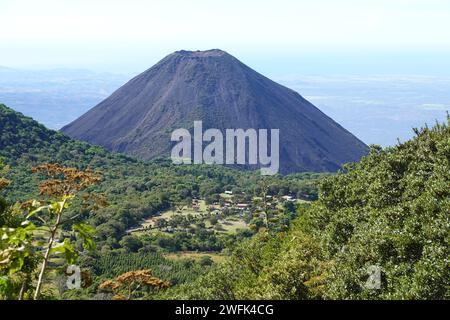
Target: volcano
x,y
216,88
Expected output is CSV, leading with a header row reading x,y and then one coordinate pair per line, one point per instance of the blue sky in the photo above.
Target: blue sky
x,y
273,36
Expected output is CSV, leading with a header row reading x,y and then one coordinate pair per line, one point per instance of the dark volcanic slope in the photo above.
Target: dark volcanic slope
x,y
215,87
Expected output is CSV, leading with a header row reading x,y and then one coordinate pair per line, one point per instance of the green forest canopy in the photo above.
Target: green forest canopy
x,y
389,211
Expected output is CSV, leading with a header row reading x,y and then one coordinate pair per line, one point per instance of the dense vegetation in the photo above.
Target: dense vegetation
x,y
390,212
133,191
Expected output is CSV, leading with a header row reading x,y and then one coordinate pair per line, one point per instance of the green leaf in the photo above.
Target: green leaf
x,y
5,284
16,264
40,209
67,249
86,232
71,254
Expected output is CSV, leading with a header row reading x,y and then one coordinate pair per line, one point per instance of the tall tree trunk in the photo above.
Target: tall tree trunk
x,y
23,288
47,252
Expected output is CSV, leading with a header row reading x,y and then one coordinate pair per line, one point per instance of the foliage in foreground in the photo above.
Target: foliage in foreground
x,y
130,285
390,212
24,227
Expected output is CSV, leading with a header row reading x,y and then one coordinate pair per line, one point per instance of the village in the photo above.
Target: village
x,y
230,214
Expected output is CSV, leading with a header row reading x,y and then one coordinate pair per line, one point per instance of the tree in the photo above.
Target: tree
x,y
289,206
161,223
128,285
264,188
206,261
20,244
63,184
131,243
213,220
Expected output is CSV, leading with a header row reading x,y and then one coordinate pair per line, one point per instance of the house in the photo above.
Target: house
x,y
169,229
228,192
242,206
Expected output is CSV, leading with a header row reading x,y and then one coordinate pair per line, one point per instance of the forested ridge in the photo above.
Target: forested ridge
x,y
390,212
137,190
386,216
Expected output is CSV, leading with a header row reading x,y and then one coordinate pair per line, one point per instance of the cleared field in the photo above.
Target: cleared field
x,y
216,257
231,226
228,225
170,213
203,206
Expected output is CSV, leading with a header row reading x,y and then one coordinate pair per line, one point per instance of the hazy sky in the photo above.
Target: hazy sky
x,y
398,36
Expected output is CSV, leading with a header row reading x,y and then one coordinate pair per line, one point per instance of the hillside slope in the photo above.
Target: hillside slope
x,y
390,214
134,189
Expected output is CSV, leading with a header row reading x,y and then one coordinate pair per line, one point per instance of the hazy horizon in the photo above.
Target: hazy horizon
x,y
273,37
276,66
378,67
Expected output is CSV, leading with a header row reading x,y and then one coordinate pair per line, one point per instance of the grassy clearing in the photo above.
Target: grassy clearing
x,y
231,226
170,213
216,257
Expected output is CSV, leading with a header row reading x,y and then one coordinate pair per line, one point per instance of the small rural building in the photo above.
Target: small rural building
x,y
288,198
242,206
